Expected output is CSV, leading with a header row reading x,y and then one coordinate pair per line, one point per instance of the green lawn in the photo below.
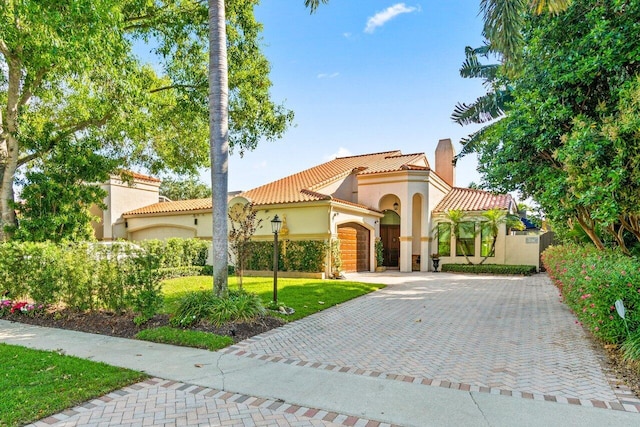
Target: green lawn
x,y
306,296
36,384
187,338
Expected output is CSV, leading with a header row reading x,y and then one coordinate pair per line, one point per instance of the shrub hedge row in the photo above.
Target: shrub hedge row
x,y
525,270
304,255
91,276
591,281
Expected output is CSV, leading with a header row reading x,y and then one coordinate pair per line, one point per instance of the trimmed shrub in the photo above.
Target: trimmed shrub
x,y
523,270
176,252
82,276
301,255
591,281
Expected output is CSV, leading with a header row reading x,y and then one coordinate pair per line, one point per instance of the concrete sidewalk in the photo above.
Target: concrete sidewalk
x,y
249,391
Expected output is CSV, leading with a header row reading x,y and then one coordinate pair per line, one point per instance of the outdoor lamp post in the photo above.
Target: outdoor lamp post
x,y
276,223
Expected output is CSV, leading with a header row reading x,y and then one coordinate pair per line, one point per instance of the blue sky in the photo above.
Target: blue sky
x,y
363,77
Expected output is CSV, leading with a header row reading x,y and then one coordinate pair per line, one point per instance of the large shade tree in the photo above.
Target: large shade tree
x,y
69,73
570,135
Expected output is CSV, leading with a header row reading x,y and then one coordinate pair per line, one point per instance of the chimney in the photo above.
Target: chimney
x,y
444,161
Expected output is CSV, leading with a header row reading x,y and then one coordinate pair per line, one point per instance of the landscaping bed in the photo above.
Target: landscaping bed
x,y
123,326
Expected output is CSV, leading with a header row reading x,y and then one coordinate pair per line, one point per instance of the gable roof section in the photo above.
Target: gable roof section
x,y
172,207
470,200
303,186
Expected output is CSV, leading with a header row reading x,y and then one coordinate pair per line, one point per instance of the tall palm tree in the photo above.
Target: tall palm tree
x,y
219,138
219,141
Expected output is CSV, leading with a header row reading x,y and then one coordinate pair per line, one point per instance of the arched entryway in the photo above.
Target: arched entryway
x,y
354,247
390,236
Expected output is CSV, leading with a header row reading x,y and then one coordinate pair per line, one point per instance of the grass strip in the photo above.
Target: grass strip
x,y
36,383
305,296
185,338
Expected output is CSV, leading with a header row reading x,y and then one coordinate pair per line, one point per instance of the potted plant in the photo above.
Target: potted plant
x,y
435,259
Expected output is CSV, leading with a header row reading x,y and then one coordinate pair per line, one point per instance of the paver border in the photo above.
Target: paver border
x,y
228,397
627,401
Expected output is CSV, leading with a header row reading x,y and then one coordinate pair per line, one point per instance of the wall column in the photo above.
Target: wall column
x,y
406,232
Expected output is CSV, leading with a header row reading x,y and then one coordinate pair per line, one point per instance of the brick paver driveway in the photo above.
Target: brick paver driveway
x,y
509,334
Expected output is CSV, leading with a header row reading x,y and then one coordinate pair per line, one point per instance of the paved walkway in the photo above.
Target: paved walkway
x,y
430,349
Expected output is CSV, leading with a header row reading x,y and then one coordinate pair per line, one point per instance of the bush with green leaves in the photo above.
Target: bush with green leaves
x,y
177,252
200,306
301,255
82,276
524,270
631,347
591,281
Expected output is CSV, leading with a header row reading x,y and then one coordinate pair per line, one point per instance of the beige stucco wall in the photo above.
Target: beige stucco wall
x,y
123,198
417,192
345,188
523,250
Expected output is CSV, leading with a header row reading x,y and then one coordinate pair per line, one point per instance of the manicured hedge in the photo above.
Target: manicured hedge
x,y
525,270
81,276
177,253
92,276
590,281
304,255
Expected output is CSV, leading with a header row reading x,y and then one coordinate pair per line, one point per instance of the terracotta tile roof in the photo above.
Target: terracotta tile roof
x,y
305,186
140,176
471,200
169,207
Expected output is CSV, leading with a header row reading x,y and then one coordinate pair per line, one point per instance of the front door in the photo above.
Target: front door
x,y
390,236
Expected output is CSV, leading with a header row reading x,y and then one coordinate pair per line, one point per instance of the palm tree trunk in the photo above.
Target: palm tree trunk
x,y
219,141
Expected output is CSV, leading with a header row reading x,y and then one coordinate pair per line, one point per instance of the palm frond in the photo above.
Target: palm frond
x,y
472,68
313,4
503,21
486,108
472,143
553,6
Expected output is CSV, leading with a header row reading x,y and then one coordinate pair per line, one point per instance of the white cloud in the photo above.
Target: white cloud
x,y
328,76
347,35
342,152
381,18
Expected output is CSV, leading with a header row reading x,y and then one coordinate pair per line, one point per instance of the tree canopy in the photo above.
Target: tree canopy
x,y
570,138
69,73
184,189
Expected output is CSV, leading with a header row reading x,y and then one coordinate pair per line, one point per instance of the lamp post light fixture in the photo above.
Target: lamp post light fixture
x,y
276,223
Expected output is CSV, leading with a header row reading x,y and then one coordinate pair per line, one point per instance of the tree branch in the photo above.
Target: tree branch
x,y
28,92
4,49
173,87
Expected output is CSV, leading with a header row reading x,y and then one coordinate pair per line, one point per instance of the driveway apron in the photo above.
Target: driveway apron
x,y
510,335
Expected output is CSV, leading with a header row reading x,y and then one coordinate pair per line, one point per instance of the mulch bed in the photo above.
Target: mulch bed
x,y
122,325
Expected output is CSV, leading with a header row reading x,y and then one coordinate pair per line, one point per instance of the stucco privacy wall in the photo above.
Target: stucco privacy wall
x,y
523,250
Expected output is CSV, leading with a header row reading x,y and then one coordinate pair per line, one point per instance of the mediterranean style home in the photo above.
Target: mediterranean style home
x,y
397,198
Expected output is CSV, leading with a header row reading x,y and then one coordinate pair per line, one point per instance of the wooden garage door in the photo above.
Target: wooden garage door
x,y
354,247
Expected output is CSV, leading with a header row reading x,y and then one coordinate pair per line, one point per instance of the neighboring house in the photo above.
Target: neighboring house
x,y
123,196
396,197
